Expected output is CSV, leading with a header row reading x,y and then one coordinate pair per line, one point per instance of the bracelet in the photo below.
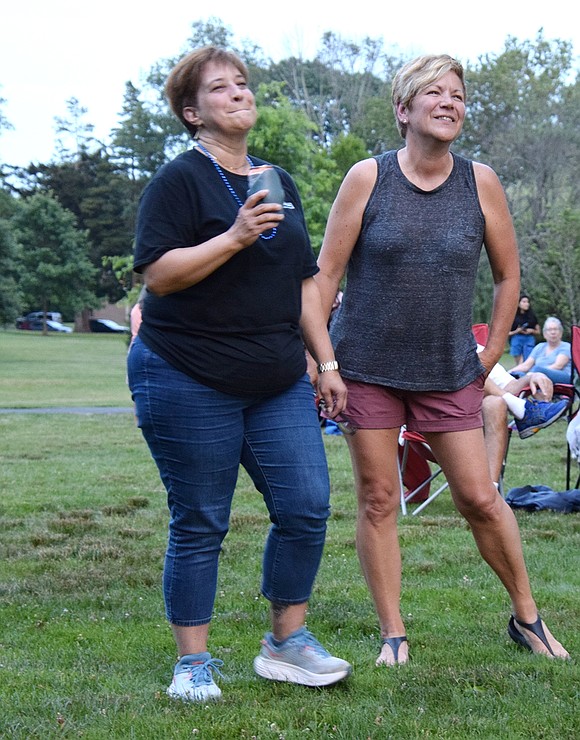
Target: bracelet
x,y
326,366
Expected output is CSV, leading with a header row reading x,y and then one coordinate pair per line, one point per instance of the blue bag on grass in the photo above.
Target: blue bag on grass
x,y
538,498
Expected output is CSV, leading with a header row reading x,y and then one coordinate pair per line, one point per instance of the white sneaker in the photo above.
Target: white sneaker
x,y
193,679
299,659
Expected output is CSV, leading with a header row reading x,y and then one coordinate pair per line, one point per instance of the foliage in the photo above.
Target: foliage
x,y
74,134
54,266
556,253
104,203
138,143
523,108
121,267
10,296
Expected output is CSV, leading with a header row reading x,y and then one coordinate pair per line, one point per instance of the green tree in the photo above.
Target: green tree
x,y
10,296
523,112
346,150
335,89
74,133
5,125
283,135
138,143
104,202
556,253
54,268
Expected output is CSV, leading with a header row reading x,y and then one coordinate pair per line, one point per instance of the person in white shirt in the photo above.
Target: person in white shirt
x,y
531,414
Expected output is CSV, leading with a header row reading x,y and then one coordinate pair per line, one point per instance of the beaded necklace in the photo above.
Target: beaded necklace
x,y
227,183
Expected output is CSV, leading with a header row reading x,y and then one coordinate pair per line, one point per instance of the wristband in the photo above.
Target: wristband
x,y
326,366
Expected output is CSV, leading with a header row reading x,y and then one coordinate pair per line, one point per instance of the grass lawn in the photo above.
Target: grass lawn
x,y
85,650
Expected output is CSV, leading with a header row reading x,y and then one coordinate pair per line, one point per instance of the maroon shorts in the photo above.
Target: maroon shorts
x,y
378,407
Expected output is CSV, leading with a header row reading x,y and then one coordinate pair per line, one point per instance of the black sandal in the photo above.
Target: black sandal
x,y
535,628
394,643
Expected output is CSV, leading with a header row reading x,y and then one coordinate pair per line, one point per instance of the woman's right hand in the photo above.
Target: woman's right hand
x,y
178,269
255,218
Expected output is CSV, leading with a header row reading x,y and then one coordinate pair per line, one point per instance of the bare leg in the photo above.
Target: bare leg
x,y
286,619
462,457
495,433
374,458
190,640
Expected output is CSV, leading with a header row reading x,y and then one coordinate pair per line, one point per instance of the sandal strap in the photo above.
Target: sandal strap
x,y
537,629
394,643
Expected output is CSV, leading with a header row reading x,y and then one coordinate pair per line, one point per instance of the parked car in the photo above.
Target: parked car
x,y
24,322
56,326
50,325
107,326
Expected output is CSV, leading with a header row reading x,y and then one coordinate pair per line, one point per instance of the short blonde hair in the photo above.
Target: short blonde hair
x,y
184,79
418,74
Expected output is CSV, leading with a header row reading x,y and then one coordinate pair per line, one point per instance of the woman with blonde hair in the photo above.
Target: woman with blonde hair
x,y
407,227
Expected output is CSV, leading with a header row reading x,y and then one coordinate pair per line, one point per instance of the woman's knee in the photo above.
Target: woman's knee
x,y
481,505
494,410
378,502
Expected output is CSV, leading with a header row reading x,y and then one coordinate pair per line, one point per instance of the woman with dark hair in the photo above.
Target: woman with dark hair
x,y
218,375
525,328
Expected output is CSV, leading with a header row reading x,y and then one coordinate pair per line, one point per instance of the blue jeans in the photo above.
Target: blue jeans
x,y
556,376
198,438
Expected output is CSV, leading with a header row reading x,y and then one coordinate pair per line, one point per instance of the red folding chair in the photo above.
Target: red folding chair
x,y
415,472
569,391
480,332
574,407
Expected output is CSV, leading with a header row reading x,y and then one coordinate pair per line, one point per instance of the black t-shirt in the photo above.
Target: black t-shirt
x,y
527,319
238,329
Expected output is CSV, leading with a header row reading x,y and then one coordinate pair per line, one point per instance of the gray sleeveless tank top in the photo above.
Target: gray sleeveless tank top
x,y
406,314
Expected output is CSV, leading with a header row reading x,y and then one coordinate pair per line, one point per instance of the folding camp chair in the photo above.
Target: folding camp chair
x,y
415,471
569,391
574,407
480,332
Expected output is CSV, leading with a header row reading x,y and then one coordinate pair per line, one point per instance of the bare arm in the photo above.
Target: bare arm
x,y
181,268
313,324
343,228
561,361
540,385
502,250
524,366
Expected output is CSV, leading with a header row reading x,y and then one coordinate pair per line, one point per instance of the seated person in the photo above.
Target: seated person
x,y
552,357
531,414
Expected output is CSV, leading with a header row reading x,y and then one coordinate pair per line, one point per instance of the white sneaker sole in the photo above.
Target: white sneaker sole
x,y
276,670
195,695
